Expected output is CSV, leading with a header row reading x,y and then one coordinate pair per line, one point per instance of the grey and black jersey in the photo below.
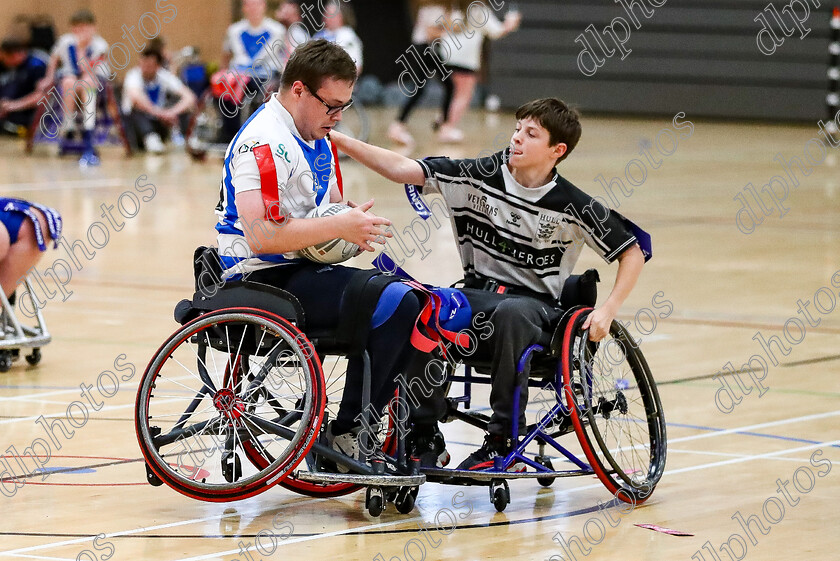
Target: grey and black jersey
x,y
518,236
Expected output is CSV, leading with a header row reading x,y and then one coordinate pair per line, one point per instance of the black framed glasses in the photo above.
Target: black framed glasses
x,y
331,109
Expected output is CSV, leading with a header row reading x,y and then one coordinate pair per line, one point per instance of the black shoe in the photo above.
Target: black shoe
x,y
493,446
428,445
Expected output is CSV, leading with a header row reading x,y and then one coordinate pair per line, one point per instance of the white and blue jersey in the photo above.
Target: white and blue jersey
x,y
268,154
157,89
249,45
71,54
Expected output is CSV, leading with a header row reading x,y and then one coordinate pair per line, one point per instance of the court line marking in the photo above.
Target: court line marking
x,y
67,184
756,426
36,395
576,489
43,557
827,444
14,552
729,455
373,526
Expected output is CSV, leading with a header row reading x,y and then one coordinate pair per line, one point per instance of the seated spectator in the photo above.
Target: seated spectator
x,y
73,63
20,71
145,93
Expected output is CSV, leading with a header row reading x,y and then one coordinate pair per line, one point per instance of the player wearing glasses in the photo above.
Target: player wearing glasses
x,y
278,169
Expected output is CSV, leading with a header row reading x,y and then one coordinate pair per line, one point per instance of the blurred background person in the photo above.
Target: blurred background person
x,y
246,39
246,50
289,14
21,69
146,89
71,64
426,29
339,21
464,57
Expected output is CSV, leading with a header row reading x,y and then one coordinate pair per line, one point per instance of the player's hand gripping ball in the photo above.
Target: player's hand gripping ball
x,y
331,251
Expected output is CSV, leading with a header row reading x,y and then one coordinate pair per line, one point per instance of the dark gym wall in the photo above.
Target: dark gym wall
x,y
697,56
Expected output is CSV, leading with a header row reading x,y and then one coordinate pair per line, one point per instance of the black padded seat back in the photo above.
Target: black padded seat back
x,y
580,290
212,293
245,294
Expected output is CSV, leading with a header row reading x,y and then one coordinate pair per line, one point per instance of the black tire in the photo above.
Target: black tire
x,y
406,497
615,408
5,361
231,381
501,498
34,357
545,481
374,501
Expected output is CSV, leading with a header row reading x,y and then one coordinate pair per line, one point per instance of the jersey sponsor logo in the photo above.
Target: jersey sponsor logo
x,y
523,254
514,220
479,203
281,152
247,146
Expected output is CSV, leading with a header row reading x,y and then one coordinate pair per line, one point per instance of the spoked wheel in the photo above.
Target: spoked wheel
x,y
385,438
232,383
615,409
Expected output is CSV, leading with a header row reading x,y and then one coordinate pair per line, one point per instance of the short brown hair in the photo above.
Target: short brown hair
x,y
316,60
153,52
561,121
82,16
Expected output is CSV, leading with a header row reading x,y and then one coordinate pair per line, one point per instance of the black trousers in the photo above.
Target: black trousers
x,y
448,86
503,327
321,291
139,124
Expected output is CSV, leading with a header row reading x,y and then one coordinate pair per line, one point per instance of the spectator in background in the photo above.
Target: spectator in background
x,y
465,57
289,15
78,53
21,69
42,27
246,50
339,21
246,40
426,30
145,91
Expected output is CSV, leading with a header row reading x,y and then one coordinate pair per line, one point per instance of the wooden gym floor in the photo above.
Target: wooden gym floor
x,y
725,287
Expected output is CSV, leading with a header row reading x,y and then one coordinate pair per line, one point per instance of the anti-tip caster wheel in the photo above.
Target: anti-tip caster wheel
x,y
5,361
35,357
374,501
232,467
545,481
153,479
499,494
405,499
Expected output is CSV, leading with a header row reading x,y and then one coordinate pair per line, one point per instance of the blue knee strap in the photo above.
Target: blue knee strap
x,y
388,303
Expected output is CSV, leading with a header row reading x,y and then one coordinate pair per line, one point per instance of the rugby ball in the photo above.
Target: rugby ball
x,y
331,251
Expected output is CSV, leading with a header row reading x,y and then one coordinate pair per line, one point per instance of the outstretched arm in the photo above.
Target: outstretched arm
x,y
629,267
386,163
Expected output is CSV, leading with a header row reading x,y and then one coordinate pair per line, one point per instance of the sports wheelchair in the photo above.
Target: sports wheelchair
x,y
108,130
16,335
237,400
